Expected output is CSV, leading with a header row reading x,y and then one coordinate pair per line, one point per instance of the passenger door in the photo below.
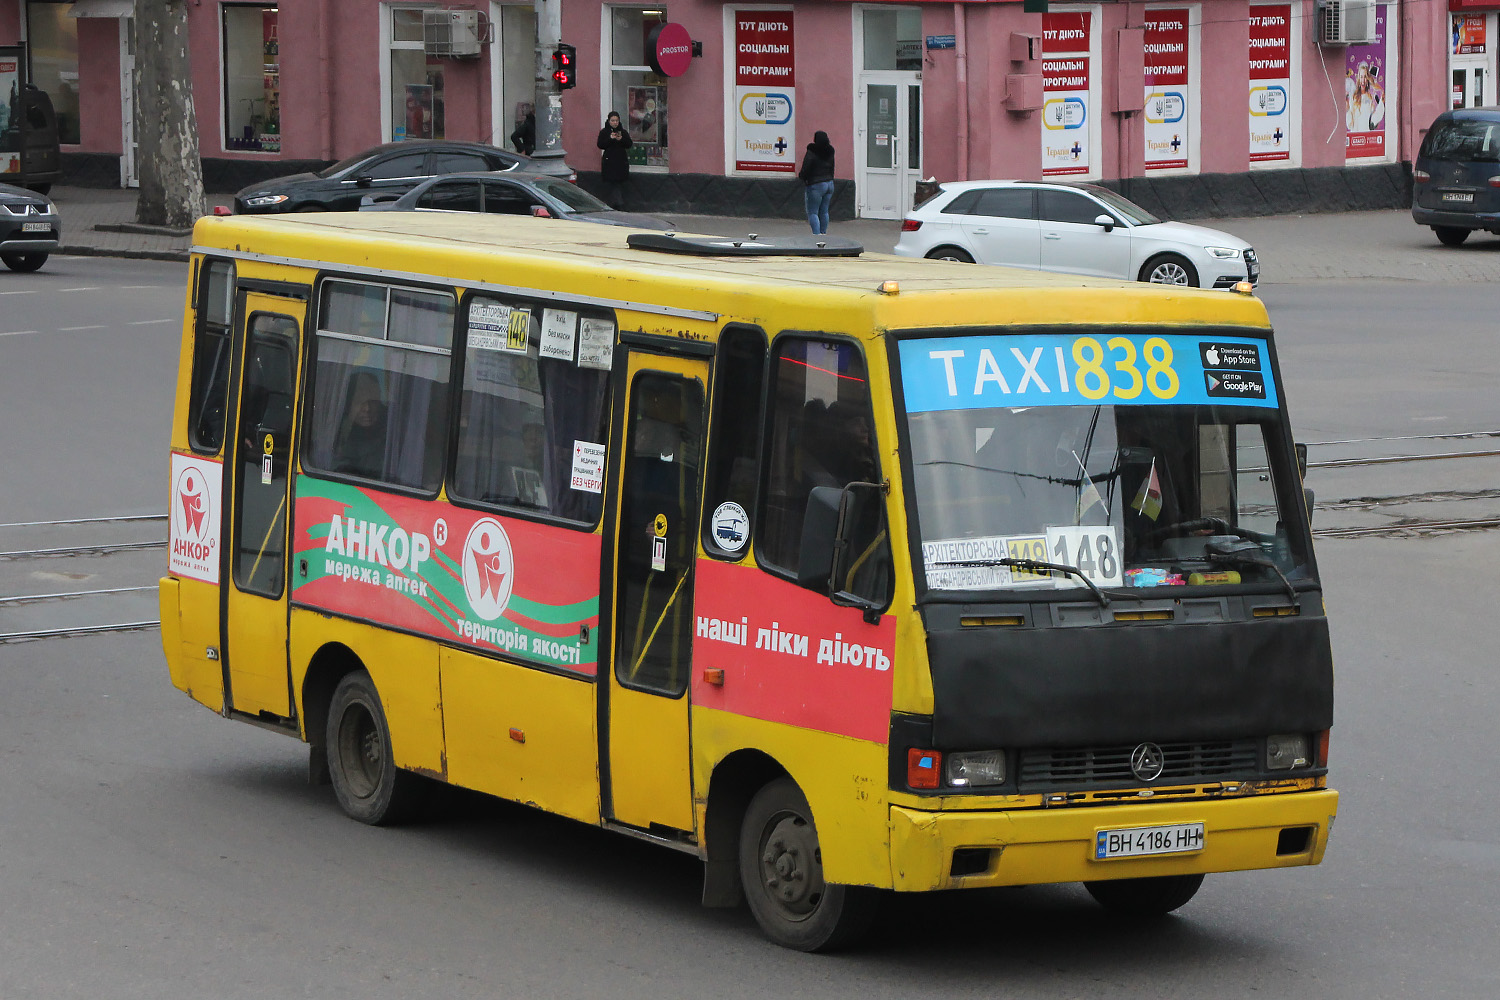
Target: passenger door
x,y
1002,227
655,549
1072,241
257,486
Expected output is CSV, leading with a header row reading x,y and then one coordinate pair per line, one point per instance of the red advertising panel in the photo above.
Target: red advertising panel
x,y
765,92
1066,93
1468,34
1271,124
790,656
1167,94
498,584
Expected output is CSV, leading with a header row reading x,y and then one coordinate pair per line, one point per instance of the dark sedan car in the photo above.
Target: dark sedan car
x,y
1456,179
516,193
384,173
29,228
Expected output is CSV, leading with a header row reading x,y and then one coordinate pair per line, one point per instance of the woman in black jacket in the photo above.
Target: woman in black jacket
x,y
614,165
817,174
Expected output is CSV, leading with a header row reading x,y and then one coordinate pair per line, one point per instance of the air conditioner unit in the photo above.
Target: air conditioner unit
x,y
1346,22
452,34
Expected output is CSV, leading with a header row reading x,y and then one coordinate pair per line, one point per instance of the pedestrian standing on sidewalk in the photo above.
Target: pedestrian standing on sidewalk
x,y
817,174
614,166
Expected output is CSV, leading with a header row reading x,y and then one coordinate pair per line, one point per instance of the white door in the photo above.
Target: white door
x,y
1072,241
888,149
1473,85
1001,226
128,176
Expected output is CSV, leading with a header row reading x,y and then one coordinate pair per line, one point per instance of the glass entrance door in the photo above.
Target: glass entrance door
x,y
888,110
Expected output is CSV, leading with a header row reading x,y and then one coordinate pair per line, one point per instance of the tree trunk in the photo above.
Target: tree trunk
x,y
171,173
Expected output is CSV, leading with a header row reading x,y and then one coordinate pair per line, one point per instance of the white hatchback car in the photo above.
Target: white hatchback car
x,y
1078,228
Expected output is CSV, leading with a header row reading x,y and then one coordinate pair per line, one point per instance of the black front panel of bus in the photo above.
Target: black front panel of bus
x,y
1058,687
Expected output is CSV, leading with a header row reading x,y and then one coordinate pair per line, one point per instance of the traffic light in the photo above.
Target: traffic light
x,y
564,66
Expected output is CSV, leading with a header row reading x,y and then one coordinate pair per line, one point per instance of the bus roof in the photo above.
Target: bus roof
x,y
568,256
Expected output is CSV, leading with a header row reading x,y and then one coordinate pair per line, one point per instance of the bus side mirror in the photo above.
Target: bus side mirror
x,y
820,525
860,576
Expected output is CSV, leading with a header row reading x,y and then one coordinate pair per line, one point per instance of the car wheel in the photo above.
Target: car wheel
x,y
950,253
1145,897
366,781
24,261
1170,269
1451,236
781,867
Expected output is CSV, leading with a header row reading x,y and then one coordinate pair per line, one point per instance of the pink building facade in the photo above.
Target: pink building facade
x,y
1224,100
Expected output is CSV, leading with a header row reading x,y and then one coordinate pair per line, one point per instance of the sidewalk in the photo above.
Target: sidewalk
x,y
1293,249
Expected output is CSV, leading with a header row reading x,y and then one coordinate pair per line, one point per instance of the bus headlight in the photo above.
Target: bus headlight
x,y
978,768
1286,752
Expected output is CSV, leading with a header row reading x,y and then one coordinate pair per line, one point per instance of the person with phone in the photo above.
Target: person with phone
x,y
614,164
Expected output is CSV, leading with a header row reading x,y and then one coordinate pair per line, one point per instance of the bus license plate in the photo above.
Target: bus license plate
x,y
1458,195
36,227
1180,838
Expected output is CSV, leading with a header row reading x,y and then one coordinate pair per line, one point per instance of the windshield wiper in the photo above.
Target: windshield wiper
x,y
1243,552
1033,565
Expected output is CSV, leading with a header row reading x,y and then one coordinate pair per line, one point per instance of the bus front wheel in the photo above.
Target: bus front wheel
x,y
781,866
1145,897
367,782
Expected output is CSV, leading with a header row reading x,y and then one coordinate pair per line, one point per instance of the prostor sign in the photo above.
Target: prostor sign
x,y
671,49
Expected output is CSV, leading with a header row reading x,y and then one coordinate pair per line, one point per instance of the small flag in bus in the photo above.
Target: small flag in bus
x,y
1148,500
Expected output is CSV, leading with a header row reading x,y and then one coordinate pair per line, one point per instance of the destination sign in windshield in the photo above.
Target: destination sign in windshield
x,y
1109,367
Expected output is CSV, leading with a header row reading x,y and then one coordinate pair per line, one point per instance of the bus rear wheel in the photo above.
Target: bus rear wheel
x,y
1145,897
366,781
781,866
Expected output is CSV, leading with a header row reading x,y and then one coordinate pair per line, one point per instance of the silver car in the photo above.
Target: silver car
x,y
1077,228
30,228
512,192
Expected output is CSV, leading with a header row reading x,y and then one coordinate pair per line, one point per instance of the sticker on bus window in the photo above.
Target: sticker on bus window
x,y
596,343
559,331
488,322
518,331
588,467
731,526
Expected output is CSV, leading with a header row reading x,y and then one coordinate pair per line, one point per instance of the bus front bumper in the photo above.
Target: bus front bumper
x,y
1034,846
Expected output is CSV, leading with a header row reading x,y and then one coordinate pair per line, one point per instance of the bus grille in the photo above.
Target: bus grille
x,y
1108,766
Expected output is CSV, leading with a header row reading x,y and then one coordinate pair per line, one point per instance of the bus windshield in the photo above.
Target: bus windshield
x,y
1179,488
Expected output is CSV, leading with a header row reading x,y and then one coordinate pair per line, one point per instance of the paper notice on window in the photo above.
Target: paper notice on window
x,y
596,343
588,467
559,333
488,322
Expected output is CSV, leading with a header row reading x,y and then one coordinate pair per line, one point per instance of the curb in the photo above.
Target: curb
x,y
177,256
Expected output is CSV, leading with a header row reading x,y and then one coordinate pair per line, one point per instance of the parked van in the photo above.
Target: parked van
x,y
1456,180
31,131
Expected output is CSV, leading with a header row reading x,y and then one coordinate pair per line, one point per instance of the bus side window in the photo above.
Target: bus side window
x,y
525,420
210,376
380,383
818,434
734,444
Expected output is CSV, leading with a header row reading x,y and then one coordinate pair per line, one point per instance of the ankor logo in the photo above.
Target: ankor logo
x,y
488,567
192,508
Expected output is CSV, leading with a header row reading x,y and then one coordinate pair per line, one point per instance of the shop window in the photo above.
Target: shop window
x,y
636,91
53,41
252,79
416,80
893,39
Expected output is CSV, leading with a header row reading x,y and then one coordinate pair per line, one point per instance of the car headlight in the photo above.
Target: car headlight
x,y
1224,252
968,770
264,200
1287,751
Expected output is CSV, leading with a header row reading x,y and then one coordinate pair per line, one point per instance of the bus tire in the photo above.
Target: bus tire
x,y
366,781
781,866
1145,897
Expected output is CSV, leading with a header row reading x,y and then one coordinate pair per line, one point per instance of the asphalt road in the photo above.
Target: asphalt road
x,y
149,848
